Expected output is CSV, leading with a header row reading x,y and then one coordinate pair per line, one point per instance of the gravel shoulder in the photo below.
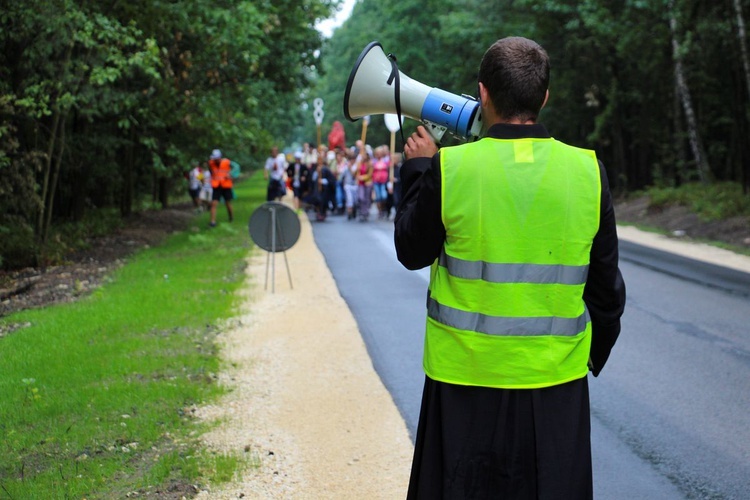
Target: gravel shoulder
x,y
686,248
305,401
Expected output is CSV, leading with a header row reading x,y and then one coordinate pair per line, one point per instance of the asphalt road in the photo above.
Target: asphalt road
x,y
670,411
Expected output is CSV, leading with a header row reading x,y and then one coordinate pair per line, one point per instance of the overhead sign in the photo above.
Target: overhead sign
x,y
318,110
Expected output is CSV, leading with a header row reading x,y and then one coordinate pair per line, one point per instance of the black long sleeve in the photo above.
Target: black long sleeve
x,y
419,232
604,293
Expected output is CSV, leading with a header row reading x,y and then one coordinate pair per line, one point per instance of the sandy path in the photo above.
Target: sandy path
x,y
306,402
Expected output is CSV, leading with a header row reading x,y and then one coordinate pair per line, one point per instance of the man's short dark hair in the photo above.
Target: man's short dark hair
x,y
515,71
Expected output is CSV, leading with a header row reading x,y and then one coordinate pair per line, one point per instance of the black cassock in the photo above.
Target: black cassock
x,y
480,442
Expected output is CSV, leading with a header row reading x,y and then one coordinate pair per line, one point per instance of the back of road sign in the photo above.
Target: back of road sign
x,y
274,227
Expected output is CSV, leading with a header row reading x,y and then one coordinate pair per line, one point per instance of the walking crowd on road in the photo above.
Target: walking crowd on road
x,y
323,181
336,180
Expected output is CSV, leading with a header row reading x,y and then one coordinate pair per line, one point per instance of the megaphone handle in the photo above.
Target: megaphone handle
x,y
425,141
436,131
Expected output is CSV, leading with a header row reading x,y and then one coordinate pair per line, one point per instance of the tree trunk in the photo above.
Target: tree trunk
x,y
743,44
154,187
741,38
78,191
696,145
618,153
680,160
40,229
53,185
126,189
164,192
45,177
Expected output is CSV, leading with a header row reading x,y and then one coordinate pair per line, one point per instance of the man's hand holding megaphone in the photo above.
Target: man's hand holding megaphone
x,y
420,144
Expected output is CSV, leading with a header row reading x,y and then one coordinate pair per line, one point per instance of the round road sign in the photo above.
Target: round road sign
x,y
274,227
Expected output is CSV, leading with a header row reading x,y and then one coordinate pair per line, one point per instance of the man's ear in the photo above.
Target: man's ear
x,y
546,97
489,114
483,94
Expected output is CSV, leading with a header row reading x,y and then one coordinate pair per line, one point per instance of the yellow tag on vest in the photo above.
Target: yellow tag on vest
x,y
524,151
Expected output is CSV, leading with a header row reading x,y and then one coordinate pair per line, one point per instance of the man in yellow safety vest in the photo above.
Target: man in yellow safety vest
x,y
525,294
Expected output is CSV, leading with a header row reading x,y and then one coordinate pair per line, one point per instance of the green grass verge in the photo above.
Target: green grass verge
x,y
710,202
715,201
96,396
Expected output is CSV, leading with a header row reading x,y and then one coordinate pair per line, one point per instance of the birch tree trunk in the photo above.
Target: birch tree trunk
x,y
680,171
696,145
741,38
743,44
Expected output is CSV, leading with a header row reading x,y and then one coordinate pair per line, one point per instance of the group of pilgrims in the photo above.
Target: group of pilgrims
x,y
337,180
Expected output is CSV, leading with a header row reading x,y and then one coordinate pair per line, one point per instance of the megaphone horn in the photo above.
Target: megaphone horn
x,y
377,87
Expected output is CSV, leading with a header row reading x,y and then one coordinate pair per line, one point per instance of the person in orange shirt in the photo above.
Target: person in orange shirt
x,y
221,182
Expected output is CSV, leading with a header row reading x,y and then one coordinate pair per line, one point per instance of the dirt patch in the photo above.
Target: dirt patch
x,y
679,221
87,269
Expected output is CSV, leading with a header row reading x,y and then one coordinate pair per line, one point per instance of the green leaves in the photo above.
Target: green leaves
x,y
115,100
612,85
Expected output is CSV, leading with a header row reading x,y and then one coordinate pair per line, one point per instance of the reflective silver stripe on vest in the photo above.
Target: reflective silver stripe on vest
x,y
504,325
514,273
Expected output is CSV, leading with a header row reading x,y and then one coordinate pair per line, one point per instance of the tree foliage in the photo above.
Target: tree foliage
x,y
613,84
106,104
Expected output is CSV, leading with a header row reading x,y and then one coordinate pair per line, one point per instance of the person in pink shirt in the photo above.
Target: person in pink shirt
x,y
380,174
364,181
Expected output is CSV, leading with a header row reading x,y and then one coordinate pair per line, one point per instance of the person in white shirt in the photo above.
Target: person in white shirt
x,y
309,156
207,190
274,174
194,186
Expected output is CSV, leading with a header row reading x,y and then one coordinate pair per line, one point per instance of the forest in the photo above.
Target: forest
x,y
105,105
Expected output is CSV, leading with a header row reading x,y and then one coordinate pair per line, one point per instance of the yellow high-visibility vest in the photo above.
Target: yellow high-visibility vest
x,y
505,306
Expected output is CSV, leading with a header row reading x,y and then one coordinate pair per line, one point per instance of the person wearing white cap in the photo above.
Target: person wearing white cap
x,y
221,182
274,173
298,173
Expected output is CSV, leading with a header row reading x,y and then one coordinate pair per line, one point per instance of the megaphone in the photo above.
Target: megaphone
x,y
376,86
